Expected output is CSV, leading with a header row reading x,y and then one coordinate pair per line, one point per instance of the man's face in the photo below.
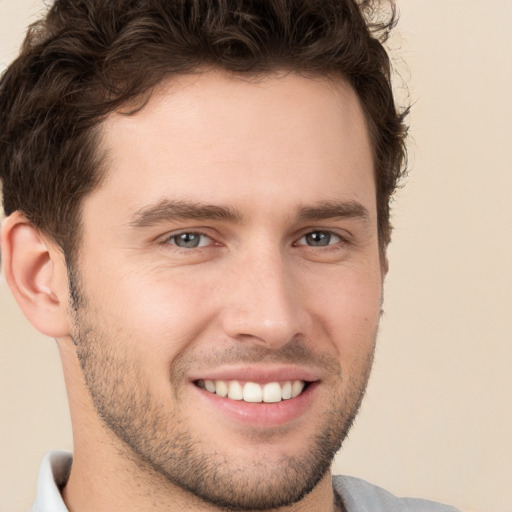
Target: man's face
x,y
232,248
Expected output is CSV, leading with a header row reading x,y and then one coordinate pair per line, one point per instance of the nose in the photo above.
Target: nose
x,y
265,303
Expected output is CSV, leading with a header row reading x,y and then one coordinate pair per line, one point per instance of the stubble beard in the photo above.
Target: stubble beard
x,y
163,448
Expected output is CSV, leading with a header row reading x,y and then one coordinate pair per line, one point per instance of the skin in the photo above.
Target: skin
x,y
282,162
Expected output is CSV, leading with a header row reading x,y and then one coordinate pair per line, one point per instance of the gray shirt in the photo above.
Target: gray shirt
x,y
356,494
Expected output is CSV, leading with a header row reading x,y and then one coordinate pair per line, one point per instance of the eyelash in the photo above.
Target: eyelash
x,y
322,232
171,240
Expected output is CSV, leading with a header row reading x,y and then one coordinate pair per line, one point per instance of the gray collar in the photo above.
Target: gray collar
x,y
356,494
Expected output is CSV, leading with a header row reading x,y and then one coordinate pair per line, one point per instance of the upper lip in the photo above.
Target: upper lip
x,y
259,374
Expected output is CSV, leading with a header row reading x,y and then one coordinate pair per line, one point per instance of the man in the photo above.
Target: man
x,y
197,199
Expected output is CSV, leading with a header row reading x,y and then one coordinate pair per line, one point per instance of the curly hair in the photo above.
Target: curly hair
x,y
88,58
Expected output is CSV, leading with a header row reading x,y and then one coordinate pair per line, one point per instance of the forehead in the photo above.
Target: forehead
x,y
224,138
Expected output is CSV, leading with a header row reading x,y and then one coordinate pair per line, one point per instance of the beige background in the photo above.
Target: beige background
x,y
437,421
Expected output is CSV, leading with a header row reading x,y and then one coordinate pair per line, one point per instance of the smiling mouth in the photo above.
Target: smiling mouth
x,y
271,392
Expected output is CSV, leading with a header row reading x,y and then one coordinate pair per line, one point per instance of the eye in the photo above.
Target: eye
x,y
319,239
189,240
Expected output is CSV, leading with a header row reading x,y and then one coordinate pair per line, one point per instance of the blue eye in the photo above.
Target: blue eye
x,y
189,240
319,239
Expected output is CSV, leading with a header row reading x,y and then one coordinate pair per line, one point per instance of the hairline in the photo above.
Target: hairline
x,y
138,103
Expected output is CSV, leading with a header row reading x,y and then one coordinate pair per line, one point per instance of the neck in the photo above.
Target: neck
x,y
99,485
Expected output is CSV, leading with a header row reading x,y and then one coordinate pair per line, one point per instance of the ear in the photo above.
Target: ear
x,y
384,262
35,270
384,265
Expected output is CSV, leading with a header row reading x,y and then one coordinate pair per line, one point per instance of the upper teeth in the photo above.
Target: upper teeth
x,y
253,392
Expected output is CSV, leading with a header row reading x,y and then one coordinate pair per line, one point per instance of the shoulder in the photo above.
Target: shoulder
x,y
361,496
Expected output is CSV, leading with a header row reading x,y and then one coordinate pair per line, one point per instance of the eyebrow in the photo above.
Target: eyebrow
x,y
333,210
166,210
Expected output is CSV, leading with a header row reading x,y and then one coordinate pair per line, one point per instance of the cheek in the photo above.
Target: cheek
x,y
158,314
348,310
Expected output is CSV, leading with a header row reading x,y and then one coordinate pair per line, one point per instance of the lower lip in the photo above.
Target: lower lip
x,y
261,414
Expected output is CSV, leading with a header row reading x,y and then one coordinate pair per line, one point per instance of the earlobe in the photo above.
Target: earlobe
x,y
35,270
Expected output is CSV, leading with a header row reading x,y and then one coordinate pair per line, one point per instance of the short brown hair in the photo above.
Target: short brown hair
x,y
88,58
